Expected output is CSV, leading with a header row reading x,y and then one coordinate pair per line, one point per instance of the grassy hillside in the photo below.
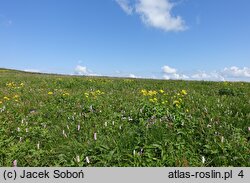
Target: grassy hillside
x,y
54,120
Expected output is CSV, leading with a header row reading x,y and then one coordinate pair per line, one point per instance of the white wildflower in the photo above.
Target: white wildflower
x,y
78,159
15,163
222,139
87,160
134,152
64,134
78,127
203,159
95,136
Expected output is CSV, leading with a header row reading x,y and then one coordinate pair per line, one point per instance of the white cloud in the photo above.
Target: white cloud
x,y
227,74
236,72
168,70
83,70
155,13
124,4
133,76
200,76
171,73
31,70
175,76
212,76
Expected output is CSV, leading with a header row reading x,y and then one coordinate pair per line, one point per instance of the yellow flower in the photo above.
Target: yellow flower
x,y
183,92
154,100
50,93
176,102
66,94
151,93
1,102
22,84
161,91
187,110
144,92
16,96
6,98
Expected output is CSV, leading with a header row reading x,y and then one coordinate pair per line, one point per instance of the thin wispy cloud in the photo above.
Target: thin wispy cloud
x,y
227,74
155,13
212,76
5,22
124,4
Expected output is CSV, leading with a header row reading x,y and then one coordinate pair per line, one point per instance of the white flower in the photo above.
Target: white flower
x,y
38,145
64,134
95,136
134,152
78,159
18,129
87,160
249,129
15,163
203,159
106,124
26,130
68,127
222,139
78,127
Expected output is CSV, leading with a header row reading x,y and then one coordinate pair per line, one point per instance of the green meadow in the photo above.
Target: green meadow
x,y
57,120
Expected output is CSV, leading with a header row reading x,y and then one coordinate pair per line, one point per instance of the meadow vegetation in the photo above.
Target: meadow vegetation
x,y
56,120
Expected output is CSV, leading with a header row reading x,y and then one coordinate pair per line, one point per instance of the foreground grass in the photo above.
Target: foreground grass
x,y
52,120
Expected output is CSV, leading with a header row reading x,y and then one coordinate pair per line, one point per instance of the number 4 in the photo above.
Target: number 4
x,y
241,174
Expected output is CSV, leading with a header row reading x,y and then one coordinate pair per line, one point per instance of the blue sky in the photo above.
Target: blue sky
x,y
178,39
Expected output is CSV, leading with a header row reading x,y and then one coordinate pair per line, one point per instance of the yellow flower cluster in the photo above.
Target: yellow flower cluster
x,y
65,94
153,100
14,85
149,93
15,98
128,80
177,102
94,94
